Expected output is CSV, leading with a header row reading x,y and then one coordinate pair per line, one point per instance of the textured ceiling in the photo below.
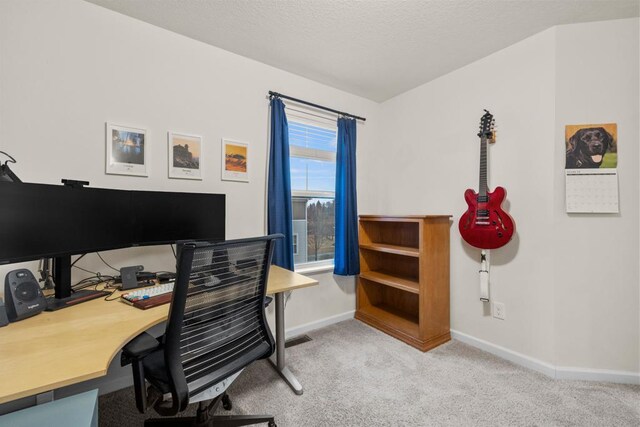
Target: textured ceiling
x,y
376,48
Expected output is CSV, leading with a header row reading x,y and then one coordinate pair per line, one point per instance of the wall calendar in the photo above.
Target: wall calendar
x,y
591,174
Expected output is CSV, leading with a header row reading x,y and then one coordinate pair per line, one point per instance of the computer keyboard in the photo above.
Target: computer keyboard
x,y
149,297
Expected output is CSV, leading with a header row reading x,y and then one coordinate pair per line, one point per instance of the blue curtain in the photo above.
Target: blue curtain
x,y
347,261
279,210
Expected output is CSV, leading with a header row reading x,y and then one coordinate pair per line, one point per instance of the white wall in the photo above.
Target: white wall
x,y
596,256
430,145
67,67
572,74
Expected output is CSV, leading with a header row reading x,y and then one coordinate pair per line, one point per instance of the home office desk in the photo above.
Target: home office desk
x,y
56,349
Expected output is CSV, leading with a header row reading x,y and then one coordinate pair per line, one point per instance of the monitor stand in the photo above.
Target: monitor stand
x,y
62,278
77,297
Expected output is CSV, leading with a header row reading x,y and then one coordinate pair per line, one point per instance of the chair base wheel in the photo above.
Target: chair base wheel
x,y
226,403
272,424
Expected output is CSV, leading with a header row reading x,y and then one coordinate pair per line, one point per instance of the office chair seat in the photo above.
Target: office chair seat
x,y
155,370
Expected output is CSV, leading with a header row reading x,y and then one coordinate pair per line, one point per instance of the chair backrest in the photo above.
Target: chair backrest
x,y
217,324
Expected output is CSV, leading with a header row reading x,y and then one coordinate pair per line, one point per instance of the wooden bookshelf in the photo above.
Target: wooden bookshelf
x,y
403,286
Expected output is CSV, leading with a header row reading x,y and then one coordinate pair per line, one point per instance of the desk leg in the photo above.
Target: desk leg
x,y
284,372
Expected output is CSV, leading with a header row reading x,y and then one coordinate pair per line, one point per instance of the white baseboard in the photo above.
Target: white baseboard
x,y
317,324
556,372
510,355
603,375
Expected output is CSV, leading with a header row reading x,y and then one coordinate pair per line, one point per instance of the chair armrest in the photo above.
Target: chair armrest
x,y
138,348
133,353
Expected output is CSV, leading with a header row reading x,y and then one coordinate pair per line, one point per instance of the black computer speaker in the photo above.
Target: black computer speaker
x,y
4,320
22,294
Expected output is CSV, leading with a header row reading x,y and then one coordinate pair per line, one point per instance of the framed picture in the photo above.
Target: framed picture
x,y
185,152
235,156
126,150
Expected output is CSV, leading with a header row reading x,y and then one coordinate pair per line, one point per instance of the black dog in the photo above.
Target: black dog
x,y
587,148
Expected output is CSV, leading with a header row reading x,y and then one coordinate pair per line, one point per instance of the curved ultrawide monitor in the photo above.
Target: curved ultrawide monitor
x,y
39,220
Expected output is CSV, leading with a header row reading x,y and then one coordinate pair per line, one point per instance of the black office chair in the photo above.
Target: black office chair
x,y
216,328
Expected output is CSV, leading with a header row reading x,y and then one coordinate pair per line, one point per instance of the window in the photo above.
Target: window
x,y
295,243
312,147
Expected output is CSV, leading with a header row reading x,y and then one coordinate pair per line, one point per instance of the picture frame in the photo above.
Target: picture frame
x,y
185,156
235,160
127,150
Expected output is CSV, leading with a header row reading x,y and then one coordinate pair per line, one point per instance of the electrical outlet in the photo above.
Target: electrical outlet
x,y
499,311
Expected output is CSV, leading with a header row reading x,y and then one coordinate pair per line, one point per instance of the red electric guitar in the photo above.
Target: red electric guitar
x,y
485,225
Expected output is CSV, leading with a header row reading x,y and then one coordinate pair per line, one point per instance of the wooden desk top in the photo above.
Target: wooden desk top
x,y
59,348
282,280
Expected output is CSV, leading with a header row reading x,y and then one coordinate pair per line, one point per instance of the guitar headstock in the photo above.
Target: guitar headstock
x,y
487,125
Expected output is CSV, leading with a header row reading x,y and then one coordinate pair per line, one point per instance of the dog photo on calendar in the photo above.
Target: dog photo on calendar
x,y
591,146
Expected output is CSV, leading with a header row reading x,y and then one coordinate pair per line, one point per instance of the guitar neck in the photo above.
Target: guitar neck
x,y
483,168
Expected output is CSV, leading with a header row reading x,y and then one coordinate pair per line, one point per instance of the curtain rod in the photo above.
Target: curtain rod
x,y
342,113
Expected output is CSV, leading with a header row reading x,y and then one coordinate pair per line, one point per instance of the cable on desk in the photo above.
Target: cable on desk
x,y
96,274
95,281
84,269
106,263
106,298
77,259
92,281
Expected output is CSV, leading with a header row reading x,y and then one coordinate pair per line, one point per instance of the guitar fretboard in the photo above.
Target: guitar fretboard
x,y
482,193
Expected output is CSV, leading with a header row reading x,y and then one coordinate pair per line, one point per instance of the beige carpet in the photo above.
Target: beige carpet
x,y
354,375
